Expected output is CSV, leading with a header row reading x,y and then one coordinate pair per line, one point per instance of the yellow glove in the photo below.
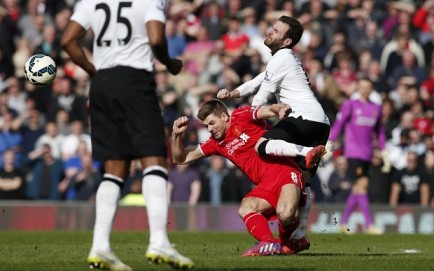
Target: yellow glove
x,y
329,152
386,163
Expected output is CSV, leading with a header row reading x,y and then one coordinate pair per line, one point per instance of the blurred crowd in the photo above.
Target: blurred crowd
x,y
45,150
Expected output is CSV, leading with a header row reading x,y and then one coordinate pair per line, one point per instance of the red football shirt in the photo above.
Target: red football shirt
x,y
238,146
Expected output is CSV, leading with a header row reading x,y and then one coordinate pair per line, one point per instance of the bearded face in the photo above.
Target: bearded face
x,y
276,37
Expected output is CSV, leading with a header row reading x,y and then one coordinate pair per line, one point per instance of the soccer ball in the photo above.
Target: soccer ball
x,y
40,70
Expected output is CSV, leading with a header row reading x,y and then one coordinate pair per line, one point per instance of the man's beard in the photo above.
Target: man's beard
x,y
273,45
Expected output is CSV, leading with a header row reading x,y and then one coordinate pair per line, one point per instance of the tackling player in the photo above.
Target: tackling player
x,y
305,131
278,180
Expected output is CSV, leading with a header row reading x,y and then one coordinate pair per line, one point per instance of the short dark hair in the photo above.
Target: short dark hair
x,y
295,30
213,106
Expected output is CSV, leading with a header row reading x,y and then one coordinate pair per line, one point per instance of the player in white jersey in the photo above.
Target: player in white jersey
x,y
305,131
125,115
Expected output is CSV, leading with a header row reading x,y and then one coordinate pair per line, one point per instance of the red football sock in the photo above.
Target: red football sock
x,y
257,225
285,231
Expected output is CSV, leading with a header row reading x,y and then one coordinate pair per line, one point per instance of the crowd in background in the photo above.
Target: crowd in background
x,y
45,148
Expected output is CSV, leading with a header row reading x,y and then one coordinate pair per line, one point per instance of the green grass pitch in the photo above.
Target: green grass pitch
x,y
64,250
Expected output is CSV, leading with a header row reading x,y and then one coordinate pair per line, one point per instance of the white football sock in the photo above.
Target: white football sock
x,y
304,215
107,197
154,189
279,147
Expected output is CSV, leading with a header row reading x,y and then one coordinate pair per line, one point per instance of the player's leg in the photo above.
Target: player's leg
x,y
145,127
107,196
287,212
302,133
107,146
299,241
295,137
358,170
361,188
252,210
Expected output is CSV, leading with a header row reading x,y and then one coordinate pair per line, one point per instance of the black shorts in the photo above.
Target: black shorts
x,y
126,119
357,168
301,132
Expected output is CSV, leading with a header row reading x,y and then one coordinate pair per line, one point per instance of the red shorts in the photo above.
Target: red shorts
x,y
269,189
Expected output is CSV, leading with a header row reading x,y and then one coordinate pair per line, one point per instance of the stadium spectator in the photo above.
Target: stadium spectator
x,y
84,183
176,42
339,181
389,115
428,48
428,166
50,45
9,137
423,19
12,183
197,52
64,97
235,185
241,130
360,123
379,183
62,122
69,144
212,180
52,138
409,67
31,127
16,97
411,184
235,40
47,172
184,185
212,17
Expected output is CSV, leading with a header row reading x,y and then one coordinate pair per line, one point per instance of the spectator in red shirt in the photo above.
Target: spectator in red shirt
x,y
235,41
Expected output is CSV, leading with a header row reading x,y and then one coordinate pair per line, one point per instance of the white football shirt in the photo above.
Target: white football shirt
x,y
285,77
120,36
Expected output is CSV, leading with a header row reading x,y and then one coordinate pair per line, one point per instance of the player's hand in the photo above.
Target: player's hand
x,y
284,111
223,94
180,125
174,66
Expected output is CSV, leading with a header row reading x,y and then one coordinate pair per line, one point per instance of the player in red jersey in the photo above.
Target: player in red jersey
x,y
278,180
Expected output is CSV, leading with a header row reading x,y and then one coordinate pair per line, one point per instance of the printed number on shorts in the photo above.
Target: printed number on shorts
x,y
294,177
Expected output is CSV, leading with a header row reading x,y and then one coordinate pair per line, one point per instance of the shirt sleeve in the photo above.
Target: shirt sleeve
x,y
208,147
251,86
156,11
341,120
83,14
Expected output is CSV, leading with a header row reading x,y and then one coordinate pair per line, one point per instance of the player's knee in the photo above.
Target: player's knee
x,y
261,147
248,205
287,214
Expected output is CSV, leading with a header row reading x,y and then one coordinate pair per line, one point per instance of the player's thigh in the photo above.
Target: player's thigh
x,y
106,117
299,131
125,115
357,169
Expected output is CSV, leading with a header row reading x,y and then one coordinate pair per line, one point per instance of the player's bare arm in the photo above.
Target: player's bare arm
x,y
158,42
270,111
70,42
245,89
224,94
180,153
